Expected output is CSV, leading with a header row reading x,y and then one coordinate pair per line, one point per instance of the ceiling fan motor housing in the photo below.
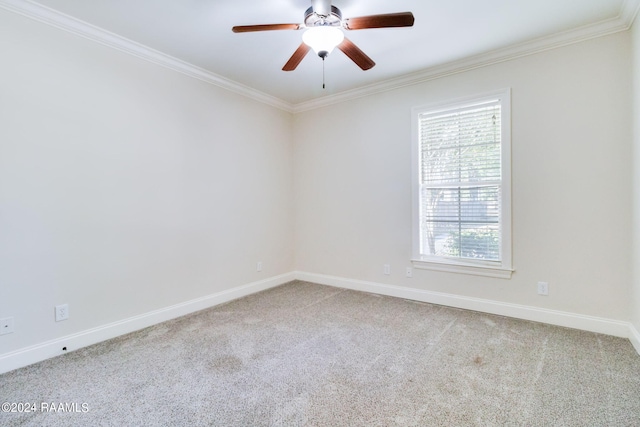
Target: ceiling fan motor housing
x,y
313,19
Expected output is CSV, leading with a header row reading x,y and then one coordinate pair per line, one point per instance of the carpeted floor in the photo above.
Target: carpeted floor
x,y
305,354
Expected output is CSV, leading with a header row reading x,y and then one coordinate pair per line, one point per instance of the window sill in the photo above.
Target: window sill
x,y
463,268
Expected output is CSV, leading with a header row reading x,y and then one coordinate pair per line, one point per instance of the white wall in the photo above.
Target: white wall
x,y
126,187
636,181
571,181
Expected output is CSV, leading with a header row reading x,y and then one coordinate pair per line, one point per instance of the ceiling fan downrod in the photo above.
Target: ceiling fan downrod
x,y
321,7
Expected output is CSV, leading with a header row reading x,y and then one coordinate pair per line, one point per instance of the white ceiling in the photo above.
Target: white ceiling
x,y
199,32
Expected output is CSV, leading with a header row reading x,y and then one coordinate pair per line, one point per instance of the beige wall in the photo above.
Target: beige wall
x,y
571,151
636,181
126,187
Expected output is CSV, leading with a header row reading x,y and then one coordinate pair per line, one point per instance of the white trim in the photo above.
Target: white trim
x,y
75,26
454,267
36,353
39,352
634,337
578,35
503,268
628,12
553,317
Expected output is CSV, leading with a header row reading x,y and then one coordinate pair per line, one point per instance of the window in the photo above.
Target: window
x,y
462,186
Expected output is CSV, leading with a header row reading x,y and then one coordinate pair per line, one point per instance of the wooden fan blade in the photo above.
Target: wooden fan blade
x,y
358,56
296,58
402,19
266,27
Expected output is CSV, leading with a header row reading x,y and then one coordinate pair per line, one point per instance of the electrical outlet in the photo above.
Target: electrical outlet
x,y
409,272
543,288
259,266
6,325
62,312
386,269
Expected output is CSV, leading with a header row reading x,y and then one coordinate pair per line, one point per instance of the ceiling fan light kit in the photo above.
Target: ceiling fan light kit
x,y
323,39
324,32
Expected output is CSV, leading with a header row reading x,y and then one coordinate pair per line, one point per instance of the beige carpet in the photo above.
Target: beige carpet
x,y
304,354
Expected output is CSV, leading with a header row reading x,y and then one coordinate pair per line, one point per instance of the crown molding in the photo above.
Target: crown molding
x,y
622,22
625,19
629,11
70,24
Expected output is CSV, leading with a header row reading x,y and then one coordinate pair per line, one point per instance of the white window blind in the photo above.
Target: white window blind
x,y
461,184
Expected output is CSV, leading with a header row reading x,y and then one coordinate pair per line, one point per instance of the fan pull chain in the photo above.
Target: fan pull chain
x,y
323,72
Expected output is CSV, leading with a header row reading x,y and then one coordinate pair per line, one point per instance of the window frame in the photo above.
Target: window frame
x,y
500,269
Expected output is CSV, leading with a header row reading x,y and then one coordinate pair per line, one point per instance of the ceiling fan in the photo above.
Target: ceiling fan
x,y
324,24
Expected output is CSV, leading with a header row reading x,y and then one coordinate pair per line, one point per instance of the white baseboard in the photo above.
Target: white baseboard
x,y
560,318
46,350
634,337
36,353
